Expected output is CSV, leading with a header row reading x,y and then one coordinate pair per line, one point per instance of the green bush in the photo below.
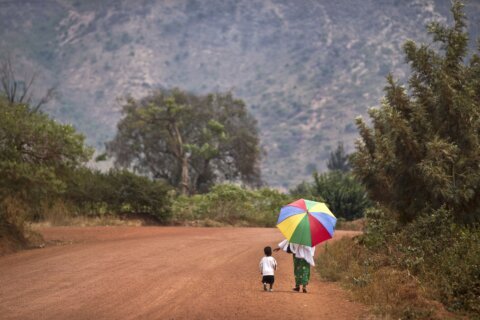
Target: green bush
x,y
400,268
231,205
342,193
35,151
135,194
117,192
456,272
445,255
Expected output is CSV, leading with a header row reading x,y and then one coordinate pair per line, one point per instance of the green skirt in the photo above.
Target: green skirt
x,y
301,269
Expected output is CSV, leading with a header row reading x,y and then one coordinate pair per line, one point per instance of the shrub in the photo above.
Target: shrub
x,y
34,152
345,196
57,213
231,205
12,226
399,269
336,260
342,193
456,272
119,192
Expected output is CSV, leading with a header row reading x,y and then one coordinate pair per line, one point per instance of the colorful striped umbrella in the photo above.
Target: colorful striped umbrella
x,y
306,222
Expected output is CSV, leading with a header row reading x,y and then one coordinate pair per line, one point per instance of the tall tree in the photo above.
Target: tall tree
x,y
338,160
191,141
423,151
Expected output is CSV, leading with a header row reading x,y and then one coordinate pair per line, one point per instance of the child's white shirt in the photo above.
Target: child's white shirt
x,y
268,266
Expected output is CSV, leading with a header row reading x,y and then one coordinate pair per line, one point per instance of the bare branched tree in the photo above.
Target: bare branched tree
x,y
21,90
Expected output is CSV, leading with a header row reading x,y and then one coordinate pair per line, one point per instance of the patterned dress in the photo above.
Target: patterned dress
x,y
303,258
301,269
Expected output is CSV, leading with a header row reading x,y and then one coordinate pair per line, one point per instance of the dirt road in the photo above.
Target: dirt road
x,y
160,273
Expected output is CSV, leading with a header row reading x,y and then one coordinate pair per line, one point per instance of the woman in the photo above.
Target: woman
x,y
302,260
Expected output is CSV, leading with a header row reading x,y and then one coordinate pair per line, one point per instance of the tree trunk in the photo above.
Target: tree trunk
x,y
185,175
183,157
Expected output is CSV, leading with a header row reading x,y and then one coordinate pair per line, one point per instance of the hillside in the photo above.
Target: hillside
x,y
305,68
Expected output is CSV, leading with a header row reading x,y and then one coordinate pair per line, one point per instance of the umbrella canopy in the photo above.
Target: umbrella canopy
x,y
306,222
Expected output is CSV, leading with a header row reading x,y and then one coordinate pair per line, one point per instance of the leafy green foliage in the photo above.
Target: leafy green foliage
x,y
420,162
424,148
42,170
344,195
399,268
190,141
117,192
35,151
339,189
231,204
441,253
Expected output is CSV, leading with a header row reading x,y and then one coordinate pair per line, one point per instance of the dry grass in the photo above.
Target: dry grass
x,y
60,214
395,294
12,226
355,225
391,293
83,221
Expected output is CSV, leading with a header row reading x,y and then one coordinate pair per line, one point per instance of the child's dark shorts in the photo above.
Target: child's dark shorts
x,y
268,279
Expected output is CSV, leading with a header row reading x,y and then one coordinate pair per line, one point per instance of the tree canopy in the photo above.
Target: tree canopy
x,y
423,151
35,154
34,150
189,140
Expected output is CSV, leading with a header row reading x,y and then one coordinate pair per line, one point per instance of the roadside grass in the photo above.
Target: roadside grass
x,y
426,270
83,221
354,225
61,214
390,293
15,233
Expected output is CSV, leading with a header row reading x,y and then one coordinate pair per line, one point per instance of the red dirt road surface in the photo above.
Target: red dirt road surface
x,y
161,273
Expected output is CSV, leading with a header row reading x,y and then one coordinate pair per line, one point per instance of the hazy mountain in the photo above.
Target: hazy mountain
x,y
306,68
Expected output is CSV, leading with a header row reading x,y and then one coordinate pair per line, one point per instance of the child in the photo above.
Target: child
x,y
268,265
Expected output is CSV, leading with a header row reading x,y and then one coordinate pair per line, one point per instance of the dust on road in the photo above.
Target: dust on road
x,y
161,273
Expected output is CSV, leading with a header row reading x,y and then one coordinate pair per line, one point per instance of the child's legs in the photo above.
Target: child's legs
x,y
272,281
268,280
